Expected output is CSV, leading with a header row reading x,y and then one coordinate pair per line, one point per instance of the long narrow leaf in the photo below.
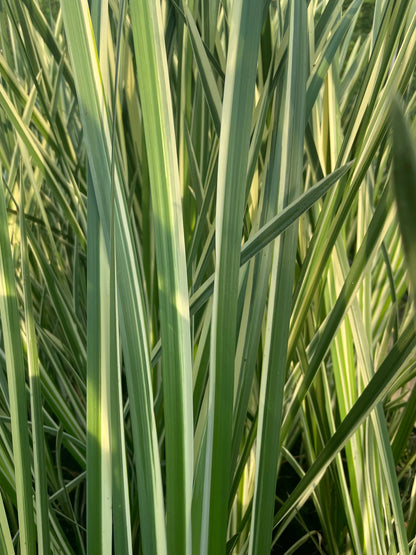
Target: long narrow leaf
x,y
16,381
41,492
234,145
404,181
289,163
171,262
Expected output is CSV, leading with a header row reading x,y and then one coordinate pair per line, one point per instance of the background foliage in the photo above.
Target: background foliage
x,y
206,307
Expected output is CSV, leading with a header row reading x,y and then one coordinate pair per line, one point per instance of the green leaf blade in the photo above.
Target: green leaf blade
x,y
171,263
232,168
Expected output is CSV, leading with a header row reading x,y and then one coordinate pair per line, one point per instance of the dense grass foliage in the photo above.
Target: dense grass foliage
x,y
207,308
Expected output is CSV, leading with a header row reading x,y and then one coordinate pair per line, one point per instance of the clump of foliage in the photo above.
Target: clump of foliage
x,y
206,308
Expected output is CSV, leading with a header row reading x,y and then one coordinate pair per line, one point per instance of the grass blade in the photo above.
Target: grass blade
x,y
234,144
41,491
155,93
9,311
289,164
404,184
99,521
